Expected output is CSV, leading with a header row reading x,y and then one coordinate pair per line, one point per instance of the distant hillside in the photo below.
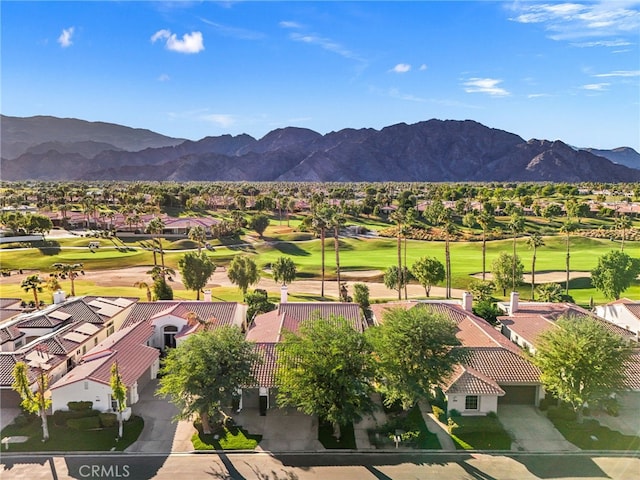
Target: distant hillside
x,y
622,155
20,135
432,150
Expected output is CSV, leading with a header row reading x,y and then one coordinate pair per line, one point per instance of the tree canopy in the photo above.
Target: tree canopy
x,y
504,273
581,361
202,374
326,370
196,270
259,223
243,272
33,402
284,270
428,271
615,272
415,350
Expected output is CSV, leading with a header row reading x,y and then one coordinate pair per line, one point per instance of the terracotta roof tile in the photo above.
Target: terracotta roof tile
x,y
632,371
265,371
226,313
469,381
502,365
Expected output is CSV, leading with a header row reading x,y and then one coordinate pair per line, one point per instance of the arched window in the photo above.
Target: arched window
x,y
170,336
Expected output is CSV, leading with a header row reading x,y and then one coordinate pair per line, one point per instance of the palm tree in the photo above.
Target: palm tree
x,y
320,223
516,226
534,241
566,228
33,283
337,221
485,220
70,270
156,227
449,229
398,216
623,223
199,235
144,286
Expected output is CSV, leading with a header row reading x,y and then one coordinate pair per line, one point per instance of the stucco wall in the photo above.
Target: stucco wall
x,y
486,404
95,392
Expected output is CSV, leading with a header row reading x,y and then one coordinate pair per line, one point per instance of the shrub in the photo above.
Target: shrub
x,y
544,404
439,413
451,425
24,419
78,406
86,423
454,413
108,419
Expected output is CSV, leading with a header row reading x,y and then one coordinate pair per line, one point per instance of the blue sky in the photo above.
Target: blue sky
x,y
568,71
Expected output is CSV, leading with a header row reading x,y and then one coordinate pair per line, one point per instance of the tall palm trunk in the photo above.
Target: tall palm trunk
x,y
484,254
336,246
533,273
568,255
447,265
400,275
513,265
404,271
322,235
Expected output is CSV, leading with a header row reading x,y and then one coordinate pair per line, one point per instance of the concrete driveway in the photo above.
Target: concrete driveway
x,y
531,430
8,415
160,434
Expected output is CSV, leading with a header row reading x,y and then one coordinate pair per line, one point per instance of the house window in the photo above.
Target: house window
x,y
86,385
471,402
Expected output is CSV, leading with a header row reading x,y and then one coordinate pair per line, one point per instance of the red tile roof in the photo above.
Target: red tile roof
x,y
632,371
226,313
468,381
265,371
127,347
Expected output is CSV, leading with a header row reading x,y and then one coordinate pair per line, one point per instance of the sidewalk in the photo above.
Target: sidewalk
x,y
435,426
374,420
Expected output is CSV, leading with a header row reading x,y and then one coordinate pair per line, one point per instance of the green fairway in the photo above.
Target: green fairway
x,y
356,254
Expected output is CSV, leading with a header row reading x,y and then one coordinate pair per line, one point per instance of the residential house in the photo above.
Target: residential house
x,y
138,364
495,371
623,312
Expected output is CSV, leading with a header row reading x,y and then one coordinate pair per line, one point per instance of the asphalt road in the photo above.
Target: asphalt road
x,y
266,466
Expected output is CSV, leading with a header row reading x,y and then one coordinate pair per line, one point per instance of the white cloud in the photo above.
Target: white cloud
x,y
620,73
595,87
538,95
234,32
567,21
327,44
401,68
164,78
485,85
190,43
423,67
603,43
220,119
288,24
65,37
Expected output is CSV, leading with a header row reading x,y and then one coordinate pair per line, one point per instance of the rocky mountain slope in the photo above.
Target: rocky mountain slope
x,y
45,148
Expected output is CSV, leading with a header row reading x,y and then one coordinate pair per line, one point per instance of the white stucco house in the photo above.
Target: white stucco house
x,y
138,363
624,312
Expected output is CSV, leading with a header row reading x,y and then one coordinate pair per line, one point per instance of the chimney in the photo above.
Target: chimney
x,y
467,301
513,303
59,297
207,296
283,294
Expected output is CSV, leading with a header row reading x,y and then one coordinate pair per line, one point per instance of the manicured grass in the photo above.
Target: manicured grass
x,y
479,433
229,438
347,436
65,439
607,439
411,423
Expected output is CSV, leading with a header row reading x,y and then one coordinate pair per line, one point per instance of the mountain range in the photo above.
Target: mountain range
x,y
62,149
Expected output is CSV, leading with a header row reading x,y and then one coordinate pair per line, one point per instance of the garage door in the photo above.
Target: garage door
x,y
518,395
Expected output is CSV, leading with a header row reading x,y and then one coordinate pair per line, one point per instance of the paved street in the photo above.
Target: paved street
x,y
264,466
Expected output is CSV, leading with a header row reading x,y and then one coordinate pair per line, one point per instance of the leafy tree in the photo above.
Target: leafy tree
x,y
503,271
38,224
392,280
258,302
615,272
326,370
243,272
488,310
199,235
415,350
196,270
550,292
428,271
70,271
119,393
361,297
33,402
259,223
284,270
565,356
202,375
162,290
33,283
482,290
534,241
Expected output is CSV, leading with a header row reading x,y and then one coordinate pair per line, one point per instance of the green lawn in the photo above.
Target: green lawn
x,y
479,433
229,438
605,438
415,432
65,439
